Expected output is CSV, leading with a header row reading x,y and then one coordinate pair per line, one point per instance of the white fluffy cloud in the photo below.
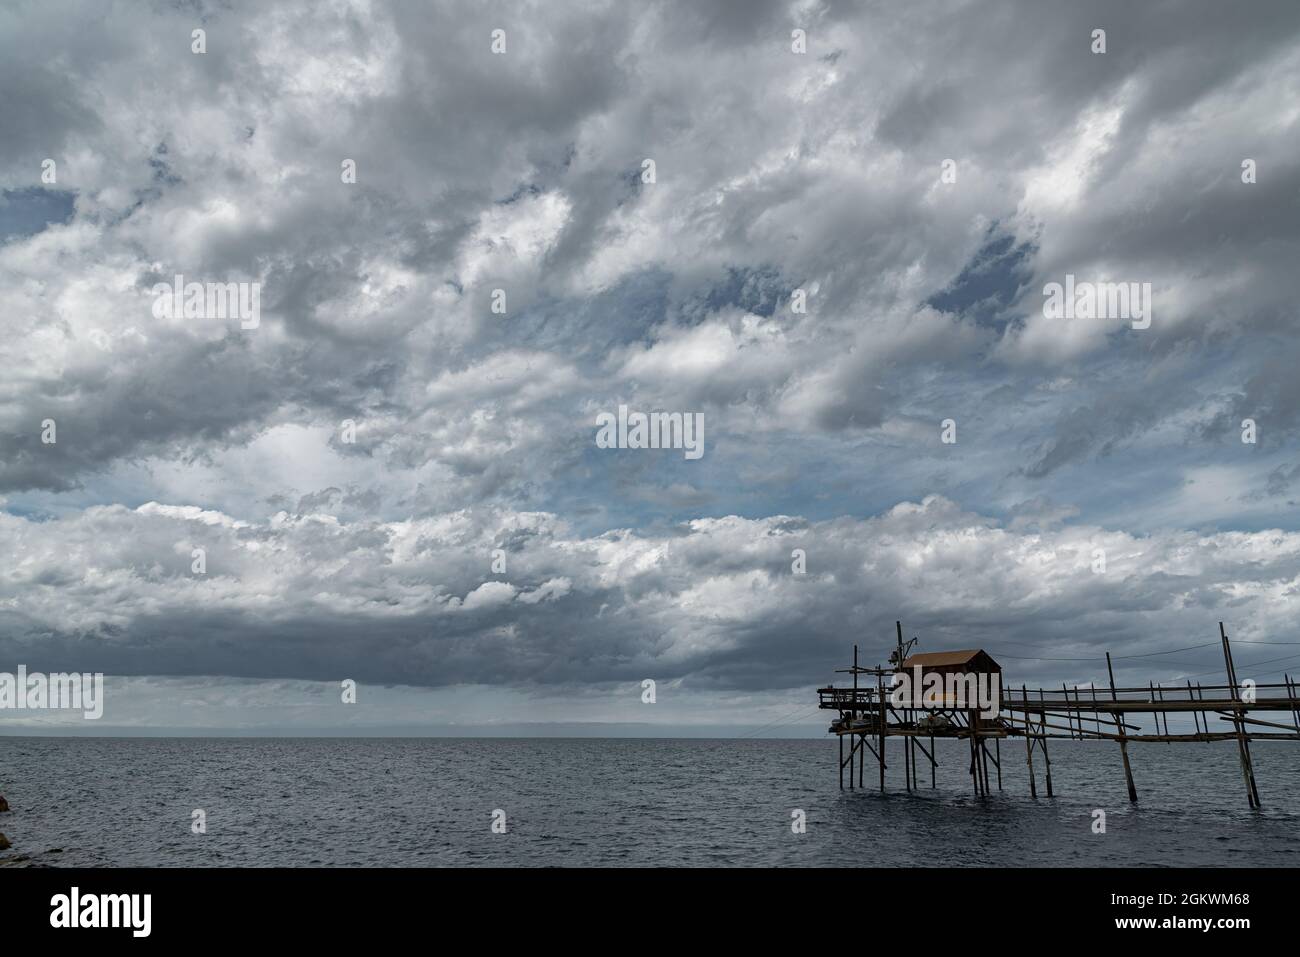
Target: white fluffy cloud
x,y
415,602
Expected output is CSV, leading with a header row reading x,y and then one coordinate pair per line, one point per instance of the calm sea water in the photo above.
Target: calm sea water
x,y
429,802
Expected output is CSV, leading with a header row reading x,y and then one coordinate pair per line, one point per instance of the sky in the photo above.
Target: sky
x,y
824,230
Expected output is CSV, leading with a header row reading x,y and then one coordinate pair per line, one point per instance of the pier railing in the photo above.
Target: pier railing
x,y
1153,698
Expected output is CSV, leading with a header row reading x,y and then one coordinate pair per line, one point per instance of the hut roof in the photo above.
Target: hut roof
x,y
975,658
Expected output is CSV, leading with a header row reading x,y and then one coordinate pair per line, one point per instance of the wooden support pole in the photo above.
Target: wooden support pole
x,y
1243,745
984,761
841,737
929,756
1047,759
880,689
1123,743
1291,696
1042,742
853,746
997,746
909,752
907,763
1160,691
1029,759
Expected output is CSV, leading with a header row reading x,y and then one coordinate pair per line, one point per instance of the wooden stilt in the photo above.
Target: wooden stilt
x,y
907,762
1029,757
1291,697
1160,692
1123,740
1047,762
909,752
880,692
984,762
1042,741
1243,745
975,751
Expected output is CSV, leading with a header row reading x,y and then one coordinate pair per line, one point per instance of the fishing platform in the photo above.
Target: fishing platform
x,y
869,716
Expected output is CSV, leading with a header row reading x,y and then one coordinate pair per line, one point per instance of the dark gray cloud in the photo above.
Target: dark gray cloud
x,y
714,604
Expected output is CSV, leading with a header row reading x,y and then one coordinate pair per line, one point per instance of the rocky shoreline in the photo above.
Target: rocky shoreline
x,y
21,860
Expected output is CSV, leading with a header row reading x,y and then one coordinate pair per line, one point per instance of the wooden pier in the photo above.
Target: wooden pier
x,y
868,717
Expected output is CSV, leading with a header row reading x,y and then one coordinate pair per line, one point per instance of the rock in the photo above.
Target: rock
x,y
4,843
4,805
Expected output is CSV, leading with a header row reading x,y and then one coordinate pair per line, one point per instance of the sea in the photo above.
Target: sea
x,y
631,802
